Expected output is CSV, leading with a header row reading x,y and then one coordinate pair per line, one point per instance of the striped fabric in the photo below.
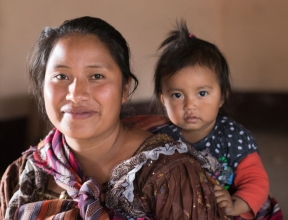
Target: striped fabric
x,y
57,209
55,158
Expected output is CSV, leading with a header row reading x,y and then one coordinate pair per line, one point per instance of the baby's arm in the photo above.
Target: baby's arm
x,y
252,188
233,205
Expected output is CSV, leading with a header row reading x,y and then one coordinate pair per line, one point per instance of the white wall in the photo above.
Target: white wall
x,y
255,40
252,35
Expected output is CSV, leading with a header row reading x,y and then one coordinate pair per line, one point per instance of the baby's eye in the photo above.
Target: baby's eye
x,y
203,93
97,76
61,77
177,95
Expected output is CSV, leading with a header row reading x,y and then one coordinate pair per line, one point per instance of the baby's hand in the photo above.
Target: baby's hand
x,y
224,199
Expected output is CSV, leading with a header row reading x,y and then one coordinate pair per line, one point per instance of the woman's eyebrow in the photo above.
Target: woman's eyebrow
x,y
98,66
88,66
60,66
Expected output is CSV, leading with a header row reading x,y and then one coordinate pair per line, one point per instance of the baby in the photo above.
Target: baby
x,y
192,83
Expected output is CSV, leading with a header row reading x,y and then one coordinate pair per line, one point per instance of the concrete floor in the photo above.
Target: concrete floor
x,y
273,146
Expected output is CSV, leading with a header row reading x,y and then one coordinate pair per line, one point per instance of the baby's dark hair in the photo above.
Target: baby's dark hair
x,y
182,49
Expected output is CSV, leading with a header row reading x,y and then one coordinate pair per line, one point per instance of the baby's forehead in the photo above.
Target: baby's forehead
x,y
191,79
196,70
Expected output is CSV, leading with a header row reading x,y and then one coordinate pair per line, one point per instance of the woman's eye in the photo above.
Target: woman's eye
x,y
61,77
203,93
176,95
97,76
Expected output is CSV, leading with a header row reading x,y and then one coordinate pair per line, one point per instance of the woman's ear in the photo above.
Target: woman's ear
x,y
126,91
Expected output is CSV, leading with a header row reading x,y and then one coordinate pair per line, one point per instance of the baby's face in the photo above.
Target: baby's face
x,y
192,98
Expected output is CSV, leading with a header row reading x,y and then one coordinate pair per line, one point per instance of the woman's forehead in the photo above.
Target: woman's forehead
x,y
81,48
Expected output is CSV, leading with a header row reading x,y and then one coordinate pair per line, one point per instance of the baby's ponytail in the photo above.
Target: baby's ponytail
x,y
179,37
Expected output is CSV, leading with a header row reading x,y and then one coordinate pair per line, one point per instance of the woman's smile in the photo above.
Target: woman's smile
x,y
78,112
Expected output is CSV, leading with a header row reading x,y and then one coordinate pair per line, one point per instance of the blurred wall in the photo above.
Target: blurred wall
x,y
252,34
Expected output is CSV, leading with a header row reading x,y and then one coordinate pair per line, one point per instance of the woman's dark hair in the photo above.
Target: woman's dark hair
x,y
182,49
48,38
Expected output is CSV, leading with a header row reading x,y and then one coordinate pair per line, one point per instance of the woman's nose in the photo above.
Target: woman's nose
x,y
78,91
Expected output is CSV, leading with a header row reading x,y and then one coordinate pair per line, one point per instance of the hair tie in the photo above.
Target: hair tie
x,y
191,35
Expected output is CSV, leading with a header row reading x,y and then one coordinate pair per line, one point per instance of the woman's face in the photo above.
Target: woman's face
x,y
83,89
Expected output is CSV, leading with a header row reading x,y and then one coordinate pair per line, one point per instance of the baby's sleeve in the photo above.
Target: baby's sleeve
x,y
251,183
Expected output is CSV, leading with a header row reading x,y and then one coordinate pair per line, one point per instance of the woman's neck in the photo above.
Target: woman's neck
x,y
99,156
100,145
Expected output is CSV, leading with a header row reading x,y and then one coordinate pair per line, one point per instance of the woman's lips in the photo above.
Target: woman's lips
x,y
78,113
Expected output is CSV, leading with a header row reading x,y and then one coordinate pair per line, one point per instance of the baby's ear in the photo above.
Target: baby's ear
x,y
223,98
161,98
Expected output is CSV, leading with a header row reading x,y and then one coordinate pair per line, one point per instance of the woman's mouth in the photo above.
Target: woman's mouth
x,y
78,113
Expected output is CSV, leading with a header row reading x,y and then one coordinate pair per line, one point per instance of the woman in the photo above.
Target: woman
x,y
91,165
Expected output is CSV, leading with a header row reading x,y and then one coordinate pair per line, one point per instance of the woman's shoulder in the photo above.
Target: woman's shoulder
x,y
10,182
151,123
163,149
154,141
16,167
